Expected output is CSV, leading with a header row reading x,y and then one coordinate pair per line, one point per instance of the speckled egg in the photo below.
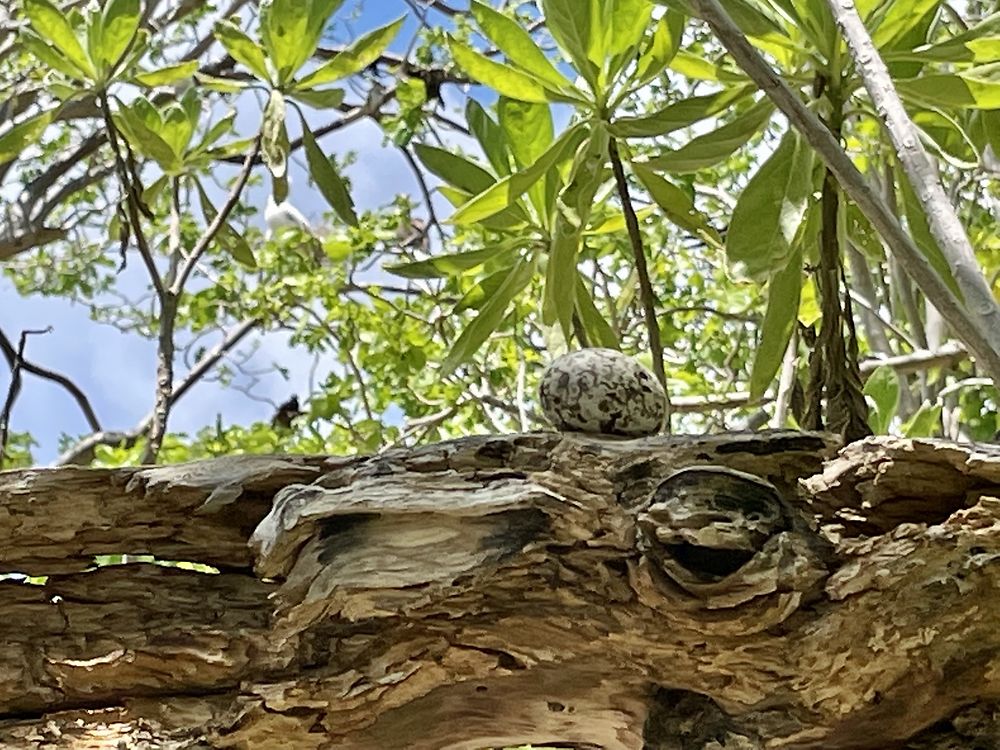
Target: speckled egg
x,y
602,391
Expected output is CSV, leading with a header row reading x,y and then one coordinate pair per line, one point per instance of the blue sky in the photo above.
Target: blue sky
x,y
116,370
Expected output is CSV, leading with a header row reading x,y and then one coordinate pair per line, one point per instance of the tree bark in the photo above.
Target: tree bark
x,y
735,591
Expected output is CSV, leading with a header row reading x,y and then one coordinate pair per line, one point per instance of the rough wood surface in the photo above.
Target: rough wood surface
x,y
739,591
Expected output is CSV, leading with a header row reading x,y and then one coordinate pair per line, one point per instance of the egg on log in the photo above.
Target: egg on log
x,y
602,391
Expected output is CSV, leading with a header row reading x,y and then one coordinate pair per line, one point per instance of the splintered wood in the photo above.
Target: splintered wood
x,y
737,591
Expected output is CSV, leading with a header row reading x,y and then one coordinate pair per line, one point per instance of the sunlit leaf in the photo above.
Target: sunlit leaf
x,y
53,27
569,22
970,89
319,98
490,136
925,423
456,264
120,22
358,56
502,78
516,43
167,75
242,48
665,43
503,194
48,54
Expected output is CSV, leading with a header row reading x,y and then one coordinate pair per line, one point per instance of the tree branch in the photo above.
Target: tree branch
x,y
15,388
969,328
10,354
944,223
83,451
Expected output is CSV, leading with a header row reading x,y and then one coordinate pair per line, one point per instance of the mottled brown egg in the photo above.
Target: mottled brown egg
x,y
602,391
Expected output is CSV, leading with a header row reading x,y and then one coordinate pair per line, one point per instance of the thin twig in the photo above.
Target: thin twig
x,y
425,190
220,218
15,387
10,354
645,287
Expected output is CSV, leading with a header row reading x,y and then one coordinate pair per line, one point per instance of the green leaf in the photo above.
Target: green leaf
x,y
516,43
48,55
680,114
528,128
52,26
629,20
502,78
456,264
120,23
599,331
925,423
980,44
319,98
505,192
142,130
274,135
319,18
968,89
454,169
242,48
900,18
573,208
701,69
569,22
327,180
177,128
916,219
227,238
665,44
23,135
358,56
616,222
677,205
489,317
166,75
883,389
222,85
712,148
284,29
779,321
489,135
770,210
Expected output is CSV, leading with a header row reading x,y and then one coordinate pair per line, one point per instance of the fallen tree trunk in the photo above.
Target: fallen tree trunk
x,y
737,591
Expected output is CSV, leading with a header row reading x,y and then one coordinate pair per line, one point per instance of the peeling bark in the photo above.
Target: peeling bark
x,y
742,591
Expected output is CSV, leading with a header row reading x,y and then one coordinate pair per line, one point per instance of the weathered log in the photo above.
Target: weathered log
x,y
739,591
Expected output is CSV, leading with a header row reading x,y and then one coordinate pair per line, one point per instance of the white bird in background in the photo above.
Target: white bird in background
x,y
280,215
